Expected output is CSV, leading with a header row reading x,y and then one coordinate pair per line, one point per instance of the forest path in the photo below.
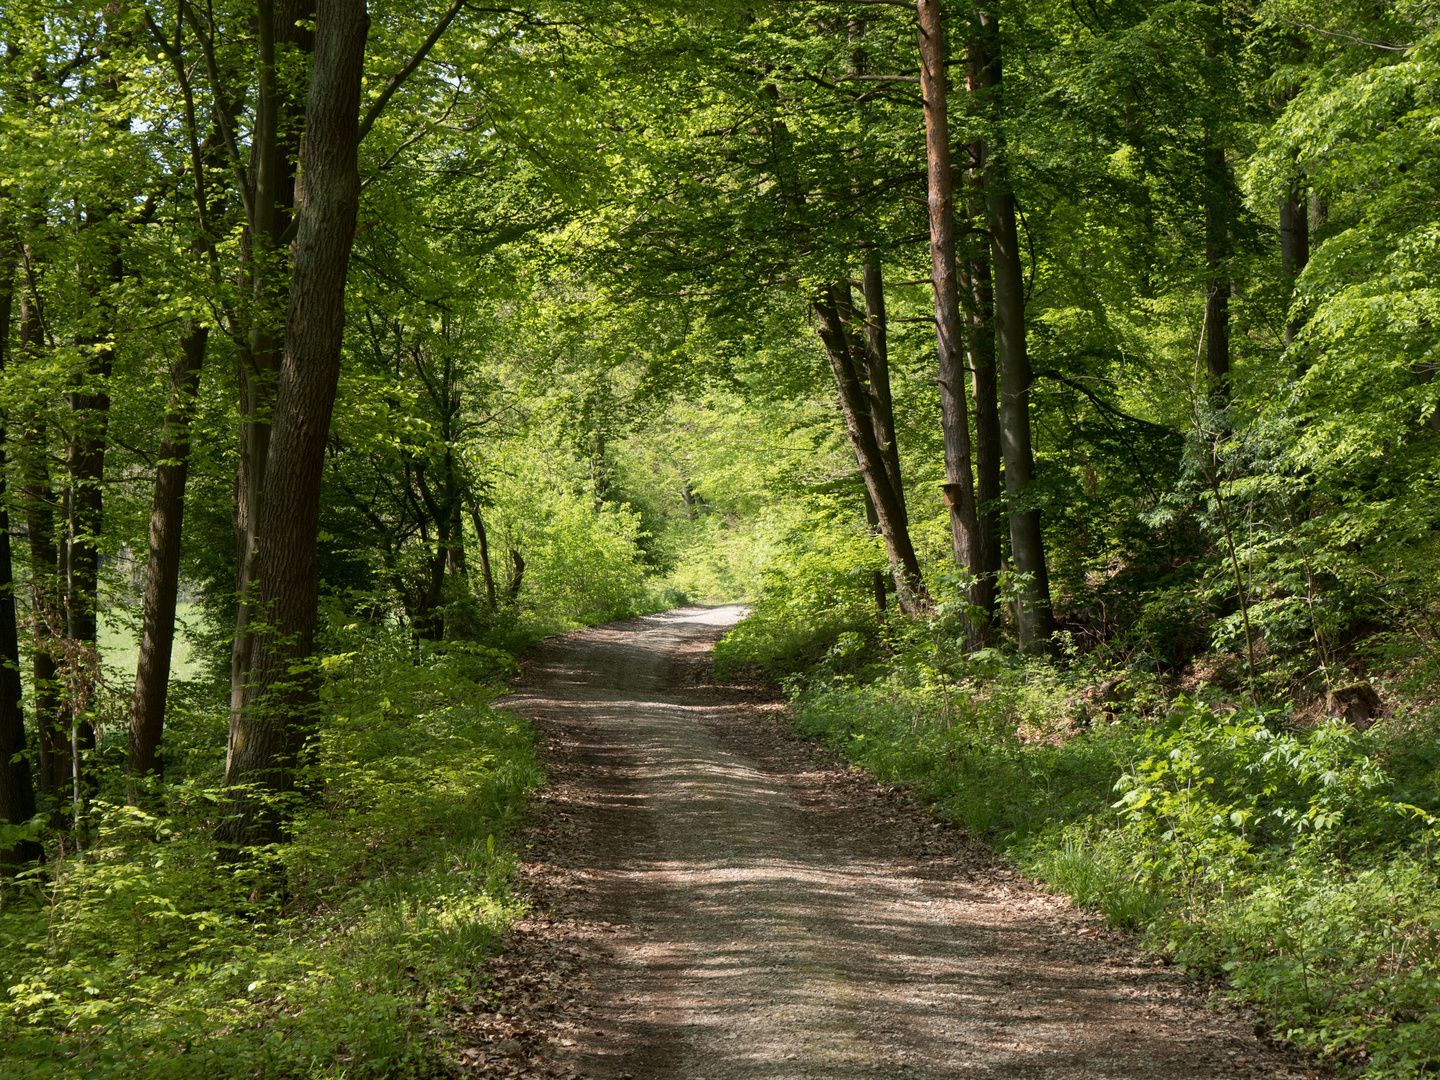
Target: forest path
x,y
751,909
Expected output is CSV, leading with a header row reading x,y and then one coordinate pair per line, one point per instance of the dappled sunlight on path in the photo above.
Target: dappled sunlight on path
x,y
760,932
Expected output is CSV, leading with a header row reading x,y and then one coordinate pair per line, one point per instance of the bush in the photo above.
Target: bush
x,y
809,602
146,956
582,565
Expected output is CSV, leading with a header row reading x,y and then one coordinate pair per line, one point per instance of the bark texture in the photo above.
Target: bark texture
x,y
1217,277
877,372
854,405
980,347
517,575
79,553
162,569
280,691
1037,622
484,541
281,30
46,617
944,275
17,786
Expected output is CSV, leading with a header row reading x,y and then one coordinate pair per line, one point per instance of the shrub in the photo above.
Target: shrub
x,y
147,956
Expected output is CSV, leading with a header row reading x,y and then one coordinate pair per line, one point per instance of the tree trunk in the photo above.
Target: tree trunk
x,y
984,384
517,575
877,372
1217,285
433,604
162,568
274,156
17,787
89,403
872,520
854,405
949,334
46,617
280,690
479,524
1294,247
1037,623
455,553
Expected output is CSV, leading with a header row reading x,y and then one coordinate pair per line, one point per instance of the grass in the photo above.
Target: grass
x,y
1300,864
144,956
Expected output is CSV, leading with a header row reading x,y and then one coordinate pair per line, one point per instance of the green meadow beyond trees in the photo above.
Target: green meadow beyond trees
x,y
1055,383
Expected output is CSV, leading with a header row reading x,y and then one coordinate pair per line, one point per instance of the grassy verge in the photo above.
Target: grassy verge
x,y
145,956
1301,864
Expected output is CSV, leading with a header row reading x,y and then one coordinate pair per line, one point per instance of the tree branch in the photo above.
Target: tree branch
x,y
397,80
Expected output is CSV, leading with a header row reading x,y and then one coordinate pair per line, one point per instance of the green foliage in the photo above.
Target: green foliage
x,y
587,564
1098,877
1217,794
1302,864
577,326
146,956
817,596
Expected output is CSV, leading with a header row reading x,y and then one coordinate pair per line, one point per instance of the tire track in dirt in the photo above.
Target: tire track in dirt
x,y
746,907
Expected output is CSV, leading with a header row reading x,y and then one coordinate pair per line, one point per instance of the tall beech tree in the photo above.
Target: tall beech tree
x,y
17,786
945,278
978,302
38,499
1218,233
267,189
162,567
1294,246
1027,545
862,383
838,339
280,692
877,372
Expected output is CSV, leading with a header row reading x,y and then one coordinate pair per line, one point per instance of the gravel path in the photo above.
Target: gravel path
x,y
737,905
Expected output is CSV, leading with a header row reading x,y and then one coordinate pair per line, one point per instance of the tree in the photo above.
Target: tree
x,y
1027,544
162,567
280,691
950,334
17,789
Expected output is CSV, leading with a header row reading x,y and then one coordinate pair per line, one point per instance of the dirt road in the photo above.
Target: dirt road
x,y
751,909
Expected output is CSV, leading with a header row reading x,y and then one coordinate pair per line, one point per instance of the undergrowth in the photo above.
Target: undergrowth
x,y
336,955
1301,863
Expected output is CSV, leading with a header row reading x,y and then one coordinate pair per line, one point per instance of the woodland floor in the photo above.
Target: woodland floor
x,y
715,899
